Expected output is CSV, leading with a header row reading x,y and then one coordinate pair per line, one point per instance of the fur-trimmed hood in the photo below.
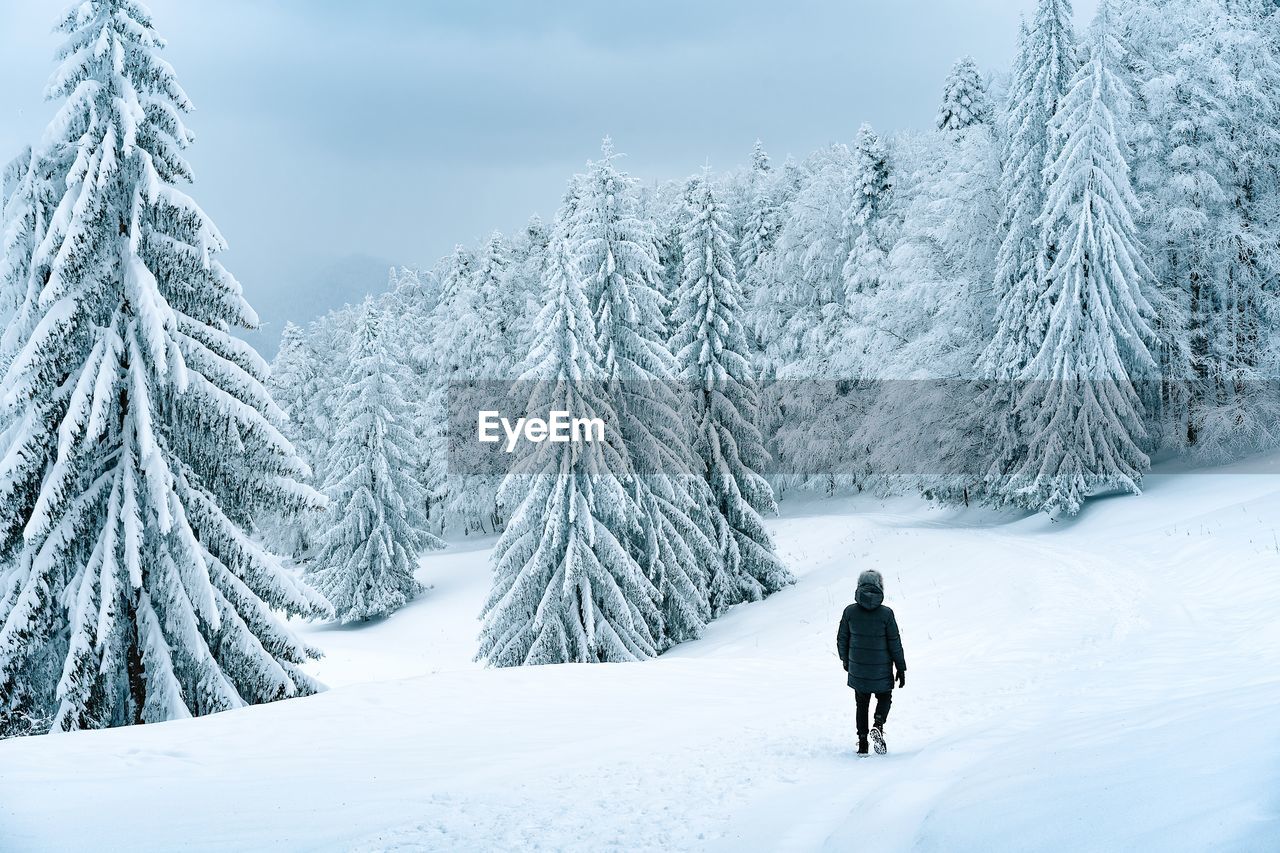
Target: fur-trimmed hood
x,y
870,592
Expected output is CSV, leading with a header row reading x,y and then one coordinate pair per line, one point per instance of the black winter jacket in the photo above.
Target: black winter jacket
x,y
868,642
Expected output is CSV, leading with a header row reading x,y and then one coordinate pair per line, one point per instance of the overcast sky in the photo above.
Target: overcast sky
x,y
335,137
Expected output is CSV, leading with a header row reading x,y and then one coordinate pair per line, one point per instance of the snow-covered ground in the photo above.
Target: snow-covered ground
x,y
1108,683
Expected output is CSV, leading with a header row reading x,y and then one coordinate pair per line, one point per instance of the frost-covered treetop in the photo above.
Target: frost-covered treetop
x,y
759,158
614,245
113,77
871,175
964,97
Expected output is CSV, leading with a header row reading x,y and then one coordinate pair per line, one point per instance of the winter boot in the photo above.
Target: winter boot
x,y
877,739
863,752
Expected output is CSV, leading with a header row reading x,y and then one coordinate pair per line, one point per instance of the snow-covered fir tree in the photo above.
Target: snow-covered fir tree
x,y
456,273
868,263
470,324
757,228
759,231
1085,417
524,281
409,331
666,209
377,525
964,97
292,385
145,442
1042,75
566,588
715,362
292,373
797,312
500,307
327,339
1042,72
412,291
474,312
616,249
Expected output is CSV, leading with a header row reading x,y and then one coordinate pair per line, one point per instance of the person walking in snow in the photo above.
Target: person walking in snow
x,y
870,647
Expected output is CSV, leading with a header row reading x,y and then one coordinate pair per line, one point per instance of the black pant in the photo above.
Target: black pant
x,y
883,702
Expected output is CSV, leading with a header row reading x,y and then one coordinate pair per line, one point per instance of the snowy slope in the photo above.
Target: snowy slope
x,y
1106,683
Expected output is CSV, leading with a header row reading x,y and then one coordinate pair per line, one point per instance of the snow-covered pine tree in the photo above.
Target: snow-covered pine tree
x,y
411,292
566,588
483,356
292,385
768,305
328,339
408,329
685,548
616,249
666,209
759,227
1084,416
500,310
715,363
1042,73
795,313
409,304
868,263
470,325
291,369
760,167
146,439
964,97
524,281
377,527
456,274
791,180
473,313
614,245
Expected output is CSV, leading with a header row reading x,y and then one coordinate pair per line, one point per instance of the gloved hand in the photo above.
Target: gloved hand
x,y
846,666
902,678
